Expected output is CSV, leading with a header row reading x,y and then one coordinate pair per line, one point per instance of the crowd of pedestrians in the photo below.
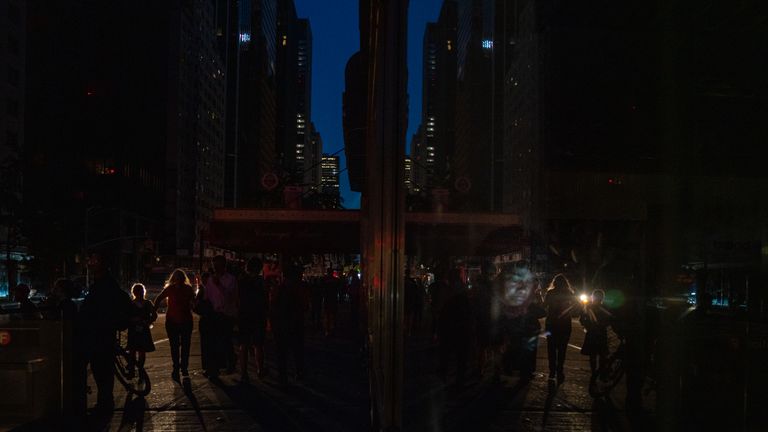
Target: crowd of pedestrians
x,y
492,326
236,311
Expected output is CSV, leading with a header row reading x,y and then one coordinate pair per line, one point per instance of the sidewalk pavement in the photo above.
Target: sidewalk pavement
x,y
333,396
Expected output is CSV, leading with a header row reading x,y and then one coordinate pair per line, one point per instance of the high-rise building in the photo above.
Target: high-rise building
x,y
12,107
436,141
313,171
330,174
408,174
255,74
139,162
472,160
297,158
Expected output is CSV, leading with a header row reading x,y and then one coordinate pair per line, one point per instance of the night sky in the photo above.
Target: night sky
x,y
335,38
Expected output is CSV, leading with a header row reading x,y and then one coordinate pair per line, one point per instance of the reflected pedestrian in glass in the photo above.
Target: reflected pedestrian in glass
x,y
221,291
178,319
204,309
252,317
331,285
520,308
288,322
559,304
455,327
595,319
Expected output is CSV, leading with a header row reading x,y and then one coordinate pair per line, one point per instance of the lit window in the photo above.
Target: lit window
x,y
245,37
285,40
487,44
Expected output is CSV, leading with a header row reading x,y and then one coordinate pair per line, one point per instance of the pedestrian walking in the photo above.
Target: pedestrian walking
x,y
455,327
178,319
252,317
559,304
520,308
221,291
331,285
204,310
139,336
105,311
288,322
595,319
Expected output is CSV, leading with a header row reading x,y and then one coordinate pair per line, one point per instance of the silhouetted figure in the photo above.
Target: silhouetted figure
x,y
62,308
252,317
331,288
438,292
595,319
354,290
204,309
482,300
455,327
178,319
414,305
222,292
139,336
559,304
288,322
105,310
316,288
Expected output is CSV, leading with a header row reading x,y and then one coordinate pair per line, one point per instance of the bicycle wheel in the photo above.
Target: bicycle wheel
x,y
138,382
607,377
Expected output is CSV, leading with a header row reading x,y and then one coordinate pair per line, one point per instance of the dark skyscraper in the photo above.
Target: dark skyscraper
x,y
12,108
299,158
137,146
472,160
435,146
255,153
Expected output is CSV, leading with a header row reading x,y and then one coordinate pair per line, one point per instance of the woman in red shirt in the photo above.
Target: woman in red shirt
x,y
178,319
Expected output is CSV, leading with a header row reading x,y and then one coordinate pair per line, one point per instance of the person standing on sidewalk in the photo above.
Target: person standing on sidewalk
x,y
288,322
221,291
595,319
252,317
559,304
204,309
105,310
139,336
178,319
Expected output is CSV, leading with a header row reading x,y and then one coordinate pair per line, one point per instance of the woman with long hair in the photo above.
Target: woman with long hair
x,y
178,319
139,336
559,303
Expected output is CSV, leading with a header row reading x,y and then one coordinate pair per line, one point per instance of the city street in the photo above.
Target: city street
x,y
334,396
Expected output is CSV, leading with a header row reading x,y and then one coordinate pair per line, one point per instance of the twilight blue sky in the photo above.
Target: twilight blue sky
x,y
336,37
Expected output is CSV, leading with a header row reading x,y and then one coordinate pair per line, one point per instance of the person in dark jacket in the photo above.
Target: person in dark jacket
x,y
520,308
139,335
331,287
252,317
559,304
455,327
595,319
105,311
203,308
288,322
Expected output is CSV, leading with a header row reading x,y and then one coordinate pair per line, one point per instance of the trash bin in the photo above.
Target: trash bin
x,y
30,378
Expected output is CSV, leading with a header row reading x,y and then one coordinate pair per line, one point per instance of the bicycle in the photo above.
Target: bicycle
x,y
135,379
609,373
